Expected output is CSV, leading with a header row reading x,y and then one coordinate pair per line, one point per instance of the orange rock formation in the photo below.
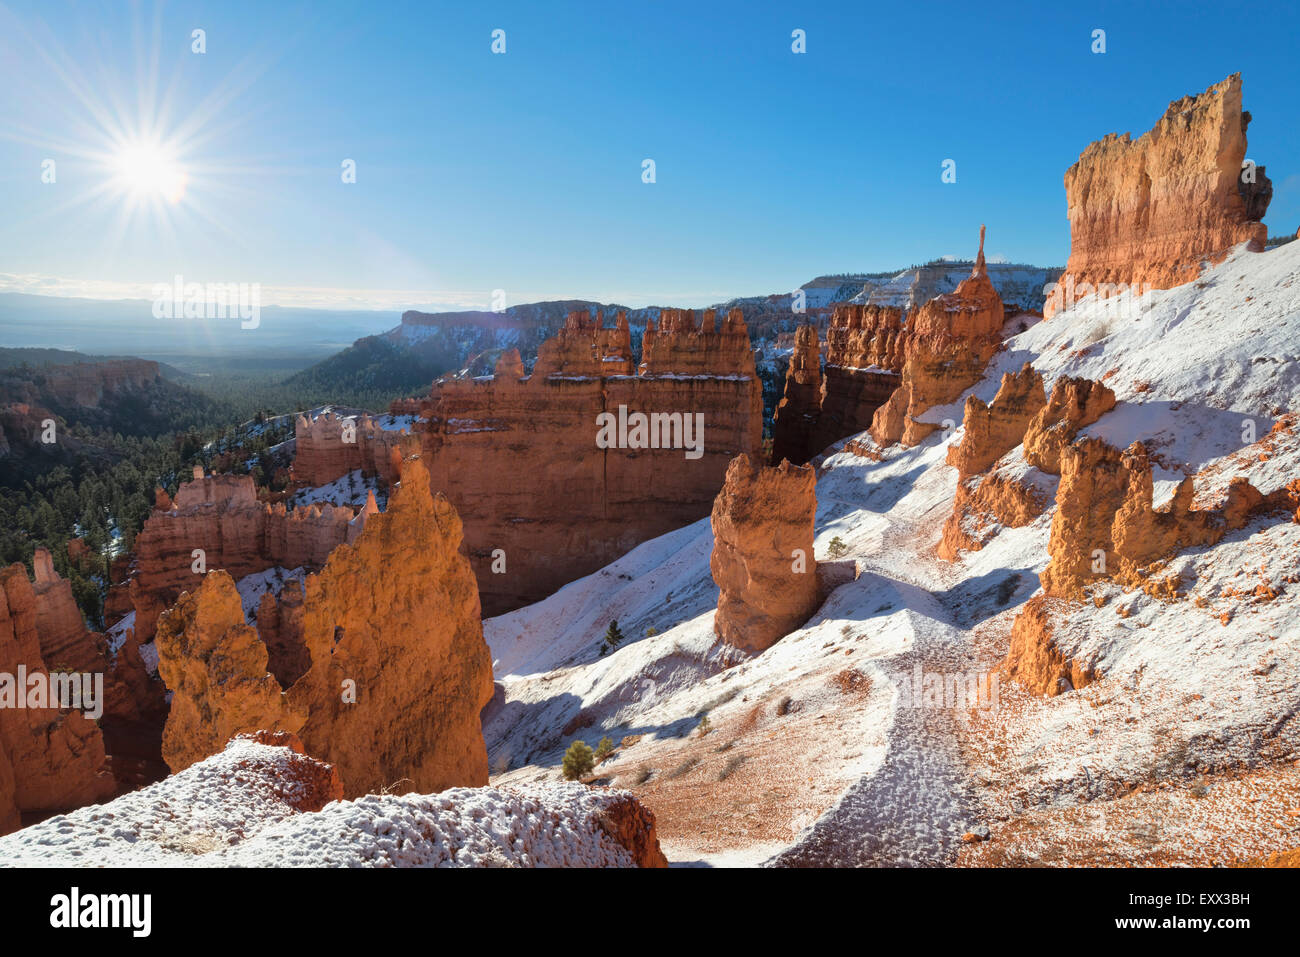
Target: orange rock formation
x,y
948,343
542,502
990,431
221,516
50,759
1075,404
398,668
1106,529
762,557
1005,496
1149,211
795,419
330,446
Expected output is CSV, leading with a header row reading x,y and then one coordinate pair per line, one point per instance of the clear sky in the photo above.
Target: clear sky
x,y
522,171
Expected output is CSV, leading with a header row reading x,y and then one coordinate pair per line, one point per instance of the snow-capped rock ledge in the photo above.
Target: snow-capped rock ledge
x,y
268,805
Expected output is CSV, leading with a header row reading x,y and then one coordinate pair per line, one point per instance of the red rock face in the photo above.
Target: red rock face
x,y
762,557
50,760
947,344
542,503
1150,211
221,515
330,446
398,668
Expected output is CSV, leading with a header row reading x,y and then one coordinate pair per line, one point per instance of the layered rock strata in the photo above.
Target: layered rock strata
x,y
557,474
1148,212
330,446
220,517
795,419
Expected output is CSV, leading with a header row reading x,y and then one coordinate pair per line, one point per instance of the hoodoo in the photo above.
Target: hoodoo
x,y
947,344
762,556
398,668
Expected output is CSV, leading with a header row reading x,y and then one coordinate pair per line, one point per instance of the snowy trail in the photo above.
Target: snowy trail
x,y
914,809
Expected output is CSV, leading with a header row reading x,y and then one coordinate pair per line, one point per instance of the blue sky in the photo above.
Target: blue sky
x,y
522,171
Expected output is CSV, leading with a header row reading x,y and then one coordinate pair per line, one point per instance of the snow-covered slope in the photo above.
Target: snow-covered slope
x,y
818,752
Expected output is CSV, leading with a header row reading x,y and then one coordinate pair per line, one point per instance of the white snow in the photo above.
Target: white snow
x,y
239,808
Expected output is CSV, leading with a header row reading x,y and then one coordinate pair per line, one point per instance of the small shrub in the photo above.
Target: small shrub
x,y
613,637
651,631
578,762
836,548
704,727
604,748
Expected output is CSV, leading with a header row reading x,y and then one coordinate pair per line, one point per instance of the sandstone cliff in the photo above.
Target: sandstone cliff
x,y
518,456
1149,211
398,667
330,446
50,760
542,502
762,557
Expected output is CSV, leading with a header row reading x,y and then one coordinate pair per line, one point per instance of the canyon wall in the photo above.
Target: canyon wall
x,y
543,498
330,446
518,456
221,515
398,668
50,759
864,359
762,557
795,418
1149,211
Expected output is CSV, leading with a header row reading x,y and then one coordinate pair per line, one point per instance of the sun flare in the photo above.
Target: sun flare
x,y
146,170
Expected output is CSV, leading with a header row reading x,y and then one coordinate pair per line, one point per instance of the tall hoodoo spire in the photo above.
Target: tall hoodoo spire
x,y
979,259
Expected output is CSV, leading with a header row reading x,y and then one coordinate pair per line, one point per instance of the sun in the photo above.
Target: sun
x,y
148,170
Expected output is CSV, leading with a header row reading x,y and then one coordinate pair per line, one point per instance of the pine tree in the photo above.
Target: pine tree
x,y
613,637
578,761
